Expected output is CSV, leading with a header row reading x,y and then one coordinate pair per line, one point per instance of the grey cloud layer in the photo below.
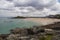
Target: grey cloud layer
x,y
30,7
38,4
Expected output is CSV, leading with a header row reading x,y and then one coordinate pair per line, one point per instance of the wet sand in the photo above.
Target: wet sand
x,y
44,21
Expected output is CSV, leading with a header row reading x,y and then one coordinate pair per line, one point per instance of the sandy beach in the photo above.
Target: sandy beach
x,y
44,21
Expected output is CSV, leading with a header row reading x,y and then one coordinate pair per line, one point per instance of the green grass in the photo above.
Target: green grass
x,y
48,37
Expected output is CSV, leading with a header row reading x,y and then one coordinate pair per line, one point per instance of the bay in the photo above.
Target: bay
x,y
7,24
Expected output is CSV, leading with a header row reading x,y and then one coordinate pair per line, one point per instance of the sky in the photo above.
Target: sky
x,y
37,8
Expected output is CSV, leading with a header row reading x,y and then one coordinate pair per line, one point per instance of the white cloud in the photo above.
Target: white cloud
x,y
56,7
29,7
5,4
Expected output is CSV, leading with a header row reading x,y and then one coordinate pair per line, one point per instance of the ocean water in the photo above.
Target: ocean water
x,y
7,24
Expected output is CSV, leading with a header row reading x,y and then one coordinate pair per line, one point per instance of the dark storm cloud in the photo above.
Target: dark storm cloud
x,y
38,4
34,4
9,0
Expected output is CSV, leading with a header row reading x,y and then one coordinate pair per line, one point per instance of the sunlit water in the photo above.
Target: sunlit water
x,y
8,24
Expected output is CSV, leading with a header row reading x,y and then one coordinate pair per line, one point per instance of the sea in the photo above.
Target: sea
x,y
6,24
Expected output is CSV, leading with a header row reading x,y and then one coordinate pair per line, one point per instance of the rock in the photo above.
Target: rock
x,y
3,36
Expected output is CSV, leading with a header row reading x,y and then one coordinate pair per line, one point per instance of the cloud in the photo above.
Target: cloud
x,y
5,4
38,4
56,7
9,0
29,7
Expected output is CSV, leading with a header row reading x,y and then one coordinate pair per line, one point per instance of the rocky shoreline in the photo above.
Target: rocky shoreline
x,y
35,33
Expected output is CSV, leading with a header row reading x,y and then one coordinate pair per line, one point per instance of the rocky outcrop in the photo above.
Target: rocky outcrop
x,y
4,36
35,33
